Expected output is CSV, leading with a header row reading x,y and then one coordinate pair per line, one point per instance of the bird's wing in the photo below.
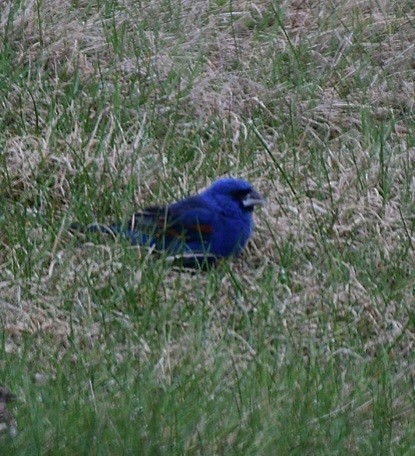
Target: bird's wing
x,y
189,221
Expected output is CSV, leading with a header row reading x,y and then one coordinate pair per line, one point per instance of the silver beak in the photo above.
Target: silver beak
x,y
253,198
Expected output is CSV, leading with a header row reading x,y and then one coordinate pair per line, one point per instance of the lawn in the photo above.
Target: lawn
x,y
303,345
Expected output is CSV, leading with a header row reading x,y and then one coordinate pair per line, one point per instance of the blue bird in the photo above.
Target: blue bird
x,y
200,229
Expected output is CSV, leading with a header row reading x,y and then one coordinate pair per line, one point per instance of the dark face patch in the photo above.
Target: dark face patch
x,y
239,195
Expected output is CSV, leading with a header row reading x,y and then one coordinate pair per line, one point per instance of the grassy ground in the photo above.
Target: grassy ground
x,y
303,346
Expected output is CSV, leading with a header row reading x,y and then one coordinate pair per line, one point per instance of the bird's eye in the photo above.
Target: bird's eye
x,y
239,195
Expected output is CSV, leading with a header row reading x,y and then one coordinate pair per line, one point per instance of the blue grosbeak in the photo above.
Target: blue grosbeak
x,y
216,223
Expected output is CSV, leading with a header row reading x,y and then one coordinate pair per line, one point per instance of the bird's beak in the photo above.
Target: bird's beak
x,y
253,198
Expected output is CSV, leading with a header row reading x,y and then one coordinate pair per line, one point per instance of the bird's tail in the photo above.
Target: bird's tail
x,y
186,260
115,230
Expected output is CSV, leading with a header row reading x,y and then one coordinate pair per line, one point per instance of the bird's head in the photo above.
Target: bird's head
x,y
238,191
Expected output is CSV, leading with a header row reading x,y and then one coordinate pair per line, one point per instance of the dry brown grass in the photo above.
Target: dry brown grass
x,y
340,64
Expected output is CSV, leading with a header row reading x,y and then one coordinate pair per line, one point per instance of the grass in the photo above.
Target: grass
x,y
303,345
